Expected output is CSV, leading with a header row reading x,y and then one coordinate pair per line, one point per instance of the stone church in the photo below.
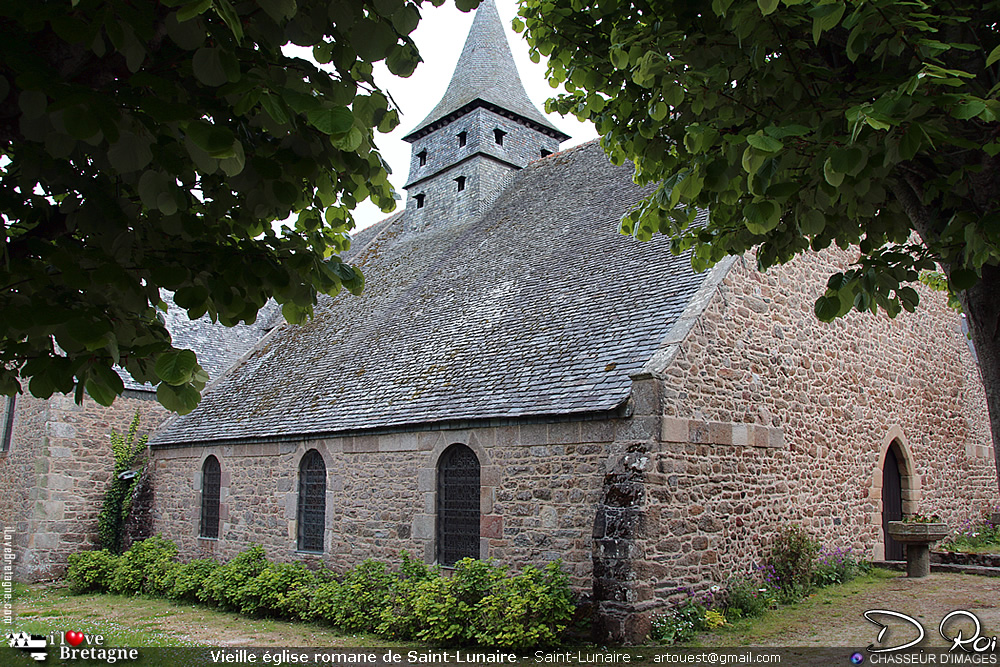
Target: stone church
x,y
521,382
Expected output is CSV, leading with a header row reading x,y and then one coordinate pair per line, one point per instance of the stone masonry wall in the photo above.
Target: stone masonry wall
x,y
539,488
20,467
772,417
481,161
72,462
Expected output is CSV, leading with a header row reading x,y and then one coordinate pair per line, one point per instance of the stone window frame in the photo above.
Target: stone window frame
x,y
225,479
424,527
7,424
420,197
463,137
210,507
300,506
422,158
498,136
896,439
460,180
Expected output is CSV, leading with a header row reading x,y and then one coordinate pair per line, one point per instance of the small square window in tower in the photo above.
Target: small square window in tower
x,y
461,183
420,200
462,136
498,135
422,157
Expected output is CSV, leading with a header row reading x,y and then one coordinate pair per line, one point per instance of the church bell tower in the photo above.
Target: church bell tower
x,y
483,130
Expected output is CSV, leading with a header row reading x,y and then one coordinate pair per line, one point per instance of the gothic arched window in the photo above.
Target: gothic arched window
x,y
211,496
312,502
458,505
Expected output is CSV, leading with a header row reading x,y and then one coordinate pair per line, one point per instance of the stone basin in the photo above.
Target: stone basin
x,y
918,538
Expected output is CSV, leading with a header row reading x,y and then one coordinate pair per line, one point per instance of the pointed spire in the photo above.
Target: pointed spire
x,y
486,74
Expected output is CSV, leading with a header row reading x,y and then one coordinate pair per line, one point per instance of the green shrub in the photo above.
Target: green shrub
x,y
356,604
398,620
91,571
527,610
450,612
189,578
681,623
325,602
792,561
748,598
221,586
142,568
281,589
441,618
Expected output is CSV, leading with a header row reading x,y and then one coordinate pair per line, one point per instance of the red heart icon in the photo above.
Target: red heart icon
x,y
74,638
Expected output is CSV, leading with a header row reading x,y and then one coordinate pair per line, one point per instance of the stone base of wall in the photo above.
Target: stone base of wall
x,y
959,558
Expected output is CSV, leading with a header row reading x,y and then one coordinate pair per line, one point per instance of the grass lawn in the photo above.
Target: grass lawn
x,y
834,616
797,619
142,621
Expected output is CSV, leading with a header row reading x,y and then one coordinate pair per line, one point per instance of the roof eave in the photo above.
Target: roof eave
x,y
426,129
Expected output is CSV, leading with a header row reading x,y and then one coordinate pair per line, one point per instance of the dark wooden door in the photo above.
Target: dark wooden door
x,y
892,504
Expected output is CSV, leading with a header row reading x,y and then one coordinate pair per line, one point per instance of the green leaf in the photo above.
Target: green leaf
x,y
227,13
827,308
993,57
833,177
812,222
764,143
962,279
181,399
218,141
176,367
193,9
761,217
208,69
767,6
846,160
372,39
338,120
104,385
130,153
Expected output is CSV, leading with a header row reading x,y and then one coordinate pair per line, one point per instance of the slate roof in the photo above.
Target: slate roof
x,y
538,308
218,347
486,73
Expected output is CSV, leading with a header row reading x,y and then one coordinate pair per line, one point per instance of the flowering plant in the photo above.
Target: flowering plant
x,y
982,536
921,518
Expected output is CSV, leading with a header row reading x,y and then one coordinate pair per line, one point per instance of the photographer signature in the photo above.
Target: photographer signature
x,y
975,643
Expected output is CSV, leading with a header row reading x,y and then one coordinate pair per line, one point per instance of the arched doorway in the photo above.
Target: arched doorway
x,y
892,501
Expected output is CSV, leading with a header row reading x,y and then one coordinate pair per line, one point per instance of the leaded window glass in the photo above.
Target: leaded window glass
x,y
312,502
211,496
458,505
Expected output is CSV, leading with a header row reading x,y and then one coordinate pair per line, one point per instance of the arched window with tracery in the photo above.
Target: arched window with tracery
x,y
312,502
211,497
458,505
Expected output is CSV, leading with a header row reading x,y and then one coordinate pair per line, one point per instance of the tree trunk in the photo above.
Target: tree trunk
x,y
981,303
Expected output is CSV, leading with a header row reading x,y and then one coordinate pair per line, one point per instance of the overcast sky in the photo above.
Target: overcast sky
x,y
440,37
